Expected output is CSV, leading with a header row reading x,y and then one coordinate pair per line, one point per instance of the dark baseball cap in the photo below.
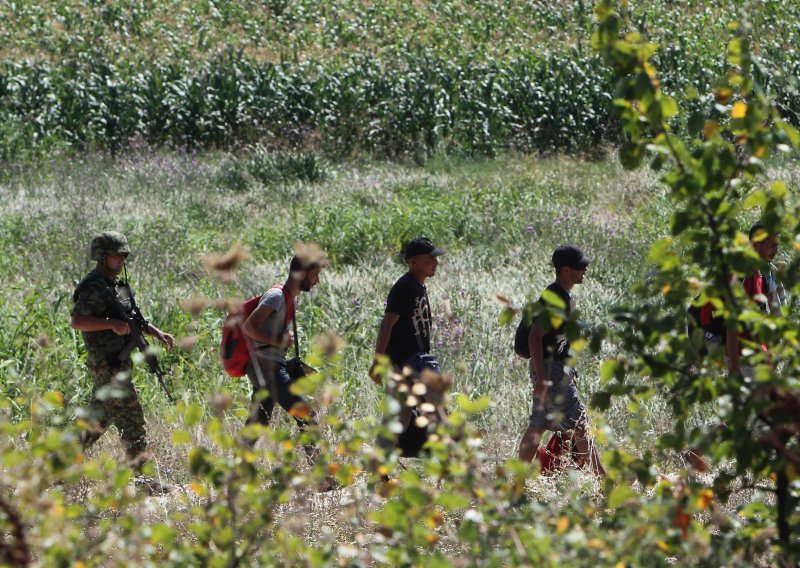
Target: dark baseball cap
x,y
571,256
422,245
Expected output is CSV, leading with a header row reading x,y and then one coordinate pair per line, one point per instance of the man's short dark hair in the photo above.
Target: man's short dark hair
x,y
760,227
299,264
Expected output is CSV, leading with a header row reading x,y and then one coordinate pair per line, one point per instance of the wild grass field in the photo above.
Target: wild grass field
x,y
499,219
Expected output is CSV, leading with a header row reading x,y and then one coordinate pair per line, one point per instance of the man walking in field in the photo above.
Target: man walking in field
x,y
269,329
98,299
759,285
405,331
556,404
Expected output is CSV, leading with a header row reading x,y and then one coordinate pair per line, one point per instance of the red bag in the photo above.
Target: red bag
x,y
234,349
553,456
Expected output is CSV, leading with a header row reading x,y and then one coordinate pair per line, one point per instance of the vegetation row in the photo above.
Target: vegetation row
x,y
476,77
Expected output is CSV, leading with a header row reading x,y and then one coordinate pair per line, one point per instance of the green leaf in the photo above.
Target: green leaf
x,y
181,437
735,51
162,534
621,495
778,189
122,477
659,249
193,415
756,199
791,132
601,400
609,369
553,299
669,107
452,502
695,123
506,316
630,155
473,406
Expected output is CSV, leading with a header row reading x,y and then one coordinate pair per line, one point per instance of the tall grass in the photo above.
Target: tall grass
x,y
499,220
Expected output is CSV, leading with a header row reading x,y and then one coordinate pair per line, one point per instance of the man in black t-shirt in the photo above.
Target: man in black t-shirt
x,y
406,326
405,333
556,404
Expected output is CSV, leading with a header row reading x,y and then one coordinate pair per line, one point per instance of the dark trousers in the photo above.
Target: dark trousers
x,y
271,382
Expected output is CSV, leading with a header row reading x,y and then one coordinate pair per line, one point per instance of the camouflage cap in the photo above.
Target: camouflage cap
x,y
109,242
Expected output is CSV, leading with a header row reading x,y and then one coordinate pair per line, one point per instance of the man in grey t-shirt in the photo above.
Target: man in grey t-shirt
x,y
269,328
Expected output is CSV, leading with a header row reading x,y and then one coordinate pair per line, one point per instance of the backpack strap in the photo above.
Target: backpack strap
x,y
287,296
290,313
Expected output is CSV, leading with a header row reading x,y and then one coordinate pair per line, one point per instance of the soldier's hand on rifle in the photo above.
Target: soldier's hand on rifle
x,y
119,327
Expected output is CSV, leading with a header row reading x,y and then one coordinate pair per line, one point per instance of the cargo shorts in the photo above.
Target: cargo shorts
x,y
561,409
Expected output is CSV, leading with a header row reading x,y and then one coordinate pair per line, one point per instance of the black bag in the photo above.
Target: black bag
x,y
411,440
521,346
295,366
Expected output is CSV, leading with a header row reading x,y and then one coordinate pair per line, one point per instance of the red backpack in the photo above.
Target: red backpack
x,y
235,347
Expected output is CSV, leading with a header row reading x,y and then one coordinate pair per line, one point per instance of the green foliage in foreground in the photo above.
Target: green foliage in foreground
x,y
714,178
258,506
391,78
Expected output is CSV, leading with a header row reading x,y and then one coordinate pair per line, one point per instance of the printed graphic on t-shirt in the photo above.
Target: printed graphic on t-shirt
x,y
421,318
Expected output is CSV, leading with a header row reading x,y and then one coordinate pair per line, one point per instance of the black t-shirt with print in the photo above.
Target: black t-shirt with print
x,y
412,332
554,343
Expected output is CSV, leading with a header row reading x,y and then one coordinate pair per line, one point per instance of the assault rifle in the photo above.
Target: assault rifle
x,y
137,325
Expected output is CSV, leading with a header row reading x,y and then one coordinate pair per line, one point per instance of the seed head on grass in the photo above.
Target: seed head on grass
x,y
195,305
187,343
310,253
223,265
227,304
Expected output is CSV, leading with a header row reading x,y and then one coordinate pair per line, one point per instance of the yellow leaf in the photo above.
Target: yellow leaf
x,y
578,345
434,519
596,543
663,546
739,110
198,489
710,129
287,445
562,525
705,499
666,288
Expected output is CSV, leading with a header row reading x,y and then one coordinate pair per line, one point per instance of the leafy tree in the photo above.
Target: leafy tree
x,y
720,181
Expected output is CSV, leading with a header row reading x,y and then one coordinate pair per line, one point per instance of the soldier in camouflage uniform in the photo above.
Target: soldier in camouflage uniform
x,y
114,399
